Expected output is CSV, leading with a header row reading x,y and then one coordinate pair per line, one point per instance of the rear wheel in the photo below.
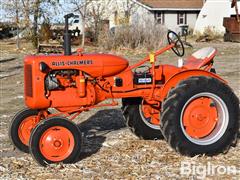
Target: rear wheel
x,y
21,126
141,118
55,140
200,116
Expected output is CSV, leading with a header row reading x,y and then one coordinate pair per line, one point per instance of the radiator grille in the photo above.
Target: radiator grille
x,y
28,80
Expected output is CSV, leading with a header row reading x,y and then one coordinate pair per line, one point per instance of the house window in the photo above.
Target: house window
x,y
182,18
159,16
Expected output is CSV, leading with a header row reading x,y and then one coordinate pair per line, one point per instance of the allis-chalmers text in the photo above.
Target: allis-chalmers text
x,y
72,63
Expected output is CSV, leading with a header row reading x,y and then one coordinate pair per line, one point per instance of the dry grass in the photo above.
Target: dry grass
x,y
110,151
135,36
209,32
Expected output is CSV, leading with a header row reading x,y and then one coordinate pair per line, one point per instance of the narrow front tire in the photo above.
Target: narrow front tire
x,y
55,140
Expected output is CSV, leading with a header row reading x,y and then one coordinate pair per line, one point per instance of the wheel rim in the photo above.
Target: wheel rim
x,y
56,143
149,116
204,118
26,127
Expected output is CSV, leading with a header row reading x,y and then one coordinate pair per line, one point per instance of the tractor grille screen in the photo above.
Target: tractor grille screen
x,y
28,80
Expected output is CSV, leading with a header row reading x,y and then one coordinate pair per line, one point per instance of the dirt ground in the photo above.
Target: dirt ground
x,y
110,150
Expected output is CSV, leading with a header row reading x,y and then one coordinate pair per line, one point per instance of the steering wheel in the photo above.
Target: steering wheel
x,y
173,38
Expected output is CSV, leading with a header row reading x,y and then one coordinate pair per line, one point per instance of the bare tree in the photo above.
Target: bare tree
x,y
92,12
17,22
36,9
13,8
129,8
97,13
21,10
234,4
37,12
81,7
26,12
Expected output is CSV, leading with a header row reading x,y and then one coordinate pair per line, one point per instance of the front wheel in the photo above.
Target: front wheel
x,y
200,116
55,140
21,127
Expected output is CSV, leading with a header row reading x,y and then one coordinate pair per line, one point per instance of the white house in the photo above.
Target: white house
x,y
212,14
171,13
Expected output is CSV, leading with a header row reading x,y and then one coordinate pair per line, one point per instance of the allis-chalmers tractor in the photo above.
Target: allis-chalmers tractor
x,y
189,106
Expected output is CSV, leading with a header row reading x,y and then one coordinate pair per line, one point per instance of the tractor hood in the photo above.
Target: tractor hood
x,y
95,65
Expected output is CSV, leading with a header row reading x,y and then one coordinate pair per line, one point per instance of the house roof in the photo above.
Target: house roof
x,y
172,4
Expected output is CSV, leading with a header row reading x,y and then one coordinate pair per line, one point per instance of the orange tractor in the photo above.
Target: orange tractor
x,y
189,106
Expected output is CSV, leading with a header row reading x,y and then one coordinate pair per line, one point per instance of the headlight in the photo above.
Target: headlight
x,y
43,67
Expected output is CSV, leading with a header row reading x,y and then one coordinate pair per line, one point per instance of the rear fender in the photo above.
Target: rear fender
x,y
177,78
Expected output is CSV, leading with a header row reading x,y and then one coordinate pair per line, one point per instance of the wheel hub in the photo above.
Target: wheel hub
x,y
200,117
56,143
150,114
25,128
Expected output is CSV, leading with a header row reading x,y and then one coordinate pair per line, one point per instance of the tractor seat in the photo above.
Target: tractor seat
x,y
200,58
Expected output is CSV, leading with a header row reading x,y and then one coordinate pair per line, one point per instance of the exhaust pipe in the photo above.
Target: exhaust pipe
x,y
67,36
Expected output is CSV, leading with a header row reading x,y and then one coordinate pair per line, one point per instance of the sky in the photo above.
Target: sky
x,y
56,14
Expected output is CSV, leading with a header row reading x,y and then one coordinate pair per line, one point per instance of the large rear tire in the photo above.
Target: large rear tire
x,y
200,116
136,121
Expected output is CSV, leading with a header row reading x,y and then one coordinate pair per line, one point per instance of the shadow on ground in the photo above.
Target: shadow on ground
x,y
7,60
95,129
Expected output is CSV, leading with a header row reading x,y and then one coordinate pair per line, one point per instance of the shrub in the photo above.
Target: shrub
x,y
211,32
45,33
150,36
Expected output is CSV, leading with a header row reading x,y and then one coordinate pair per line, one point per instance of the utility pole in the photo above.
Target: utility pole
x,y
17,22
